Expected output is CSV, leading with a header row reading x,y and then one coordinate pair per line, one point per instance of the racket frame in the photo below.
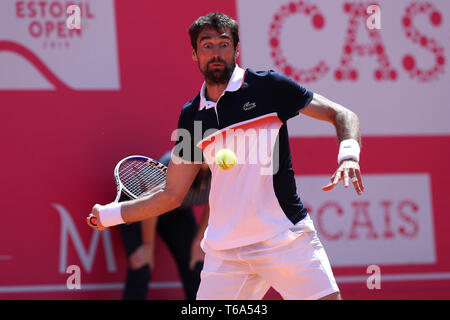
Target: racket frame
x,y
120,186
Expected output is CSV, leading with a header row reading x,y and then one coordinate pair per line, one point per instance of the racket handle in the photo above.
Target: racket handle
x,y
93,220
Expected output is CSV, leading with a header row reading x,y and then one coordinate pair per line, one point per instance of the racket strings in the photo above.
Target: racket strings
x,y
143,181
141,173
139,177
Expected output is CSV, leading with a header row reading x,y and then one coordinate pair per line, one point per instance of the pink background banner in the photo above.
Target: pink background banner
x,y
73,103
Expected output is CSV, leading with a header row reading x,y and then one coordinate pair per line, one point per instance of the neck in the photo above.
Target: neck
x,y
213,91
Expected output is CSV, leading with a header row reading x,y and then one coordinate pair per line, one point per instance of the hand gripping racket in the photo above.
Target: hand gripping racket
x,y
135,176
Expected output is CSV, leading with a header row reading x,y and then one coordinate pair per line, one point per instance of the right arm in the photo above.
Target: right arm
x,y
178,181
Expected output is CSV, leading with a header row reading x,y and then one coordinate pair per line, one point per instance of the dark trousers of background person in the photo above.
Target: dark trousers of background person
x,y
177,228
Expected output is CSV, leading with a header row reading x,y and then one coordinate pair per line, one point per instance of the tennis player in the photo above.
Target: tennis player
x,y
259,232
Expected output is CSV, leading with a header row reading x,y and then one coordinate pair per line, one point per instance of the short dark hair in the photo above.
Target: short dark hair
x,y
215,20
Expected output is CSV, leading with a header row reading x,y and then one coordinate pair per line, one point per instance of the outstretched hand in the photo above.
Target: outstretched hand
x,y
348,169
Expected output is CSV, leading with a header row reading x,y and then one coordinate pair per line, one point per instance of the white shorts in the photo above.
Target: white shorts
x,y
294,263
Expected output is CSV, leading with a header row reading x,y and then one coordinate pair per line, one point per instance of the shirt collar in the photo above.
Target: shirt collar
x,y
234,84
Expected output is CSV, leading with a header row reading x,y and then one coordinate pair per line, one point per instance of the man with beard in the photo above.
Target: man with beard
x,y
259,232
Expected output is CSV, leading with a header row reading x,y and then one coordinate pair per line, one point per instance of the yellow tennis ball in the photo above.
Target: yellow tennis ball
x,y
226,159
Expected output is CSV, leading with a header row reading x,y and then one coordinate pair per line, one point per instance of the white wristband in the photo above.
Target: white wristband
x,y
349,150
110,215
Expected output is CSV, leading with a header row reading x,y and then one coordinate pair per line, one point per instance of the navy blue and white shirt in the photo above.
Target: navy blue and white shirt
x,y
256,199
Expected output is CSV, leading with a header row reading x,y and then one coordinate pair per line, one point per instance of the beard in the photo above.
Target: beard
x,y
217,75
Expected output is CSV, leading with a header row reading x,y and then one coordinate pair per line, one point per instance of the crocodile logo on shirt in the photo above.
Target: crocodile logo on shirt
x,y
249,106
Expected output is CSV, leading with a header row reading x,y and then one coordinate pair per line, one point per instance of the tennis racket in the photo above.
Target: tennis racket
x,y
136,176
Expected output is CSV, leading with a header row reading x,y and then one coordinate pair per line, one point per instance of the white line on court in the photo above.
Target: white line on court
x,y
177,284
84,287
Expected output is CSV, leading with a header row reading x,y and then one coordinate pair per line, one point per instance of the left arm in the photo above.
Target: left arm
x,y
346,123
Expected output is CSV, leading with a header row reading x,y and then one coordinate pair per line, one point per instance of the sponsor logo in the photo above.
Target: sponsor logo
x,y
249,106
353,229
58,45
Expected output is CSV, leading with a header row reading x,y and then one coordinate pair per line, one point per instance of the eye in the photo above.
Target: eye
x,y
224,44
207,46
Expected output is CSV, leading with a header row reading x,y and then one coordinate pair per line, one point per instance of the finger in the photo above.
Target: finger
x,y
92,220
135,266
132,265
346,178
355,181
328,187
334,181
337,177
360,182
135,262
192,264
88,221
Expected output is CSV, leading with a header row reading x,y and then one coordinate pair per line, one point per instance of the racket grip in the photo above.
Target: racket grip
x,y
93,220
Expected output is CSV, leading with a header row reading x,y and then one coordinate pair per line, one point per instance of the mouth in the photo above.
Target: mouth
x,y
216,65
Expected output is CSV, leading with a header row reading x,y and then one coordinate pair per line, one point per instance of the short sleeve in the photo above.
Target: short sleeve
x,y
289,96
185,144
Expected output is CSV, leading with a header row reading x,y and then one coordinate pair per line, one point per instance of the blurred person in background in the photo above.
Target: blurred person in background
x,y
179,230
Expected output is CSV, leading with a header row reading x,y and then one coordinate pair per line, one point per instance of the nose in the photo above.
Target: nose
x,y
216,51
